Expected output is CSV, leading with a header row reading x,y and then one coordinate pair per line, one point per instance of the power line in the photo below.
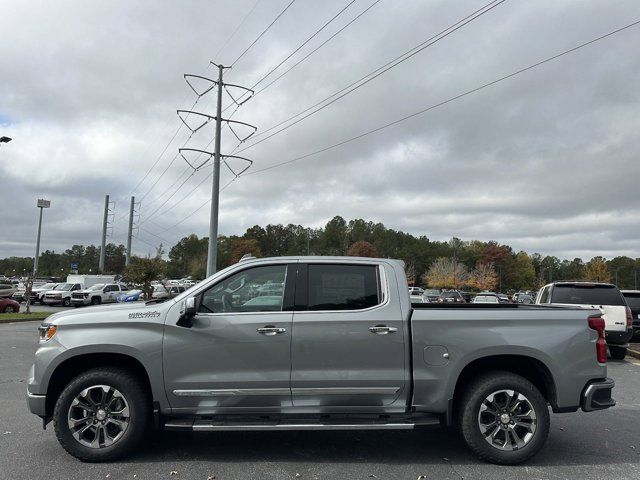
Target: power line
x,y
326,24
317,48
184,219
173,137
237,28
449,100
263,32
310,53
376,73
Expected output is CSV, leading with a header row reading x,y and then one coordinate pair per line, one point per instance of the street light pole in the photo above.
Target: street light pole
x,y
42,204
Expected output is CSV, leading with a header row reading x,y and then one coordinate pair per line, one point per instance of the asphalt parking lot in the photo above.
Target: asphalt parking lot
x,y
581,446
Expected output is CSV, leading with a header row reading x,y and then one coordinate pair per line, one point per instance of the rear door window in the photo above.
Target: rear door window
x,y
343,287
587,295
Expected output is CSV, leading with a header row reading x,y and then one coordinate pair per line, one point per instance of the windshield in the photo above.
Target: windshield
x,y
159,288
485,299
432,292
97,286
64,286
587,294
449,295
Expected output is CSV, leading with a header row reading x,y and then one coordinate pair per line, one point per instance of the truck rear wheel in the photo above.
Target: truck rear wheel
x,y
503,418
101,415
617,353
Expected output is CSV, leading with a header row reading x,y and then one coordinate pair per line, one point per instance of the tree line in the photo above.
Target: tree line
x,y
438,264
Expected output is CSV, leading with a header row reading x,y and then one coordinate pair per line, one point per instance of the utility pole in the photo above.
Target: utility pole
x,y
42,204
127,258
216,155
104,233
212,253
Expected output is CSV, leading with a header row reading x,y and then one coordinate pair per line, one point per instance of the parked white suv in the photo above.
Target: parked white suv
x,y
603,296
97,294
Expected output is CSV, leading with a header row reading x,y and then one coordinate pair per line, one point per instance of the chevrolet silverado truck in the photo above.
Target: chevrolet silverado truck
x,y
310,343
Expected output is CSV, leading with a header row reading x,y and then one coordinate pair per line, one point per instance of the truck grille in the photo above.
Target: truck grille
x,y
76,295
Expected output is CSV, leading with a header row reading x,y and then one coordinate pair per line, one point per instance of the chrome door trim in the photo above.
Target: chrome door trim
x,y
346,391
227,392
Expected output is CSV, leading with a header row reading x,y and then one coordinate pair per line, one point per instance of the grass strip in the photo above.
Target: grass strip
x,y
23,317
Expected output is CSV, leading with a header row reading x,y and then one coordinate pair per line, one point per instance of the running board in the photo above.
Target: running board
x,y
199,425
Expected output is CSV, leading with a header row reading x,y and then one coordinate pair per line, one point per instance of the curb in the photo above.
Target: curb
x,y
634,352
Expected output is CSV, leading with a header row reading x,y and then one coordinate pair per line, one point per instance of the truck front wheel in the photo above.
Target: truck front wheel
x,y
503,418
66,302
101,415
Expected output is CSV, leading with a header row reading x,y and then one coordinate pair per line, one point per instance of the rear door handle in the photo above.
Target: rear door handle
x,y
271,330
382,330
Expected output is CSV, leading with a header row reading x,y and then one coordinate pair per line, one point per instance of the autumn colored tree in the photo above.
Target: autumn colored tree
x,y
243,246
363,249
483,277
446,273
596,270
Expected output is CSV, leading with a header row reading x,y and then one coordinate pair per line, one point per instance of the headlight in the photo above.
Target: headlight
x,y
46,332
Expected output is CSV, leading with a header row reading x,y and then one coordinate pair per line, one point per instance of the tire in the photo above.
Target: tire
x,y
617,353
66,302
9,309
96,300
529,399
132,395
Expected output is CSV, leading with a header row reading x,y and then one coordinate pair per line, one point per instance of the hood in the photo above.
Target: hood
x,y
118,311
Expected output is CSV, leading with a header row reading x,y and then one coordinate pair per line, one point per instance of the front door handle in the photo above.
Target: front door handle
x,y
382,330
271,330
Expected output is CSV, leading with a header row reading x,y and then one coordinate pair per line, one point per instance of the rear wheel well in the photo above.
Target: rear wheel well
x,y
533,370
74,366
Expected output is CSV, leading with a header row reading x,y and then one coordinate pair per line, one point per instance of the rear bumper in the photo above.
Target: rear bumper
x,y
597,395
620,338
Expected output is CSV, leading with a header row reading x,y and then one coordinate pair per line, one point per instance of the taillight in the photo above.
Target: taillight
x,y
629,318
596,322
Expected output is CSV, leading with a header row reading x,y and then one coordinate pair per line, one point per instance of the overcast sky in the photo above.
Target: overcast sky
x,y
546,161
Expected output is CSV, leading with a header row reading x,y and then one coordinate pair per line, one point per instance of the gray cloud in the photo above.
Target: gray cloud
x,y
545,162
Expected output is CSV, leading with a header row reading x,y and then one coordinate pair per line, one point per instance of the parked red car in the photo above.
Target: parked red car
x,y
9,306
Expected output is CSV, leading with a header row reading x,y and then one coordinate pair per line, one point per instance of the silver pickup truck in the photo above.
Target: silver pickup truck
x,y
310,343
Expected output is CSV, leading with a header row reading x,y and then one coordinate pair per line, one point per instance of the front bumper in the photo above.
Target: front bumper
x,y
80,301
597,395
52,301
37,404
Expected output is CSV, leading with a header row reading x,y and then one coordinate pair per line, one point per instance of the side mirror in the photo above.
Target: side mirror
x,y
190,307
188,310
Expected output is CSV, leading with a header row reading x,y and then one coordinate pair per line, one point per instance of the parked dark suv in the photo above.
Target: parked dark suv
x,y
633,300
451,297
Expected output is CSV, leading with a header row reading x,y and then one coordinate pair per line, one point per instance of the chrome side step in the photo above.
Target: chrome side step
x,y
204,425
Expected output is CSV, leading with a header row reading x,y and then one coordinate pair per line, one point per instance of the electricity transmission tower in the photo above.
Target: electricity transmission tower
x,y
243,131
107,223
132,215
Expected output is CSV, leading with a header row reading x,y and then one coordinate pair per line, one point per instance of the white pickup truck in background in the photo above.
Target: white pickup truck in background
x,y
97,294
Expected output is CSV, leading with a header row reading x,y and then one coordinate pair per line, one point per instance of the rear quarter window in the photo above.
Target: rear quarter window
x,y
587,294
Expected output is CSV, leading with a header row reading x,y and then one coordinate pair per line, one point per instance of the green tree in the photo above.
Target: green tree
x,y
143,271
524,274
596,270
